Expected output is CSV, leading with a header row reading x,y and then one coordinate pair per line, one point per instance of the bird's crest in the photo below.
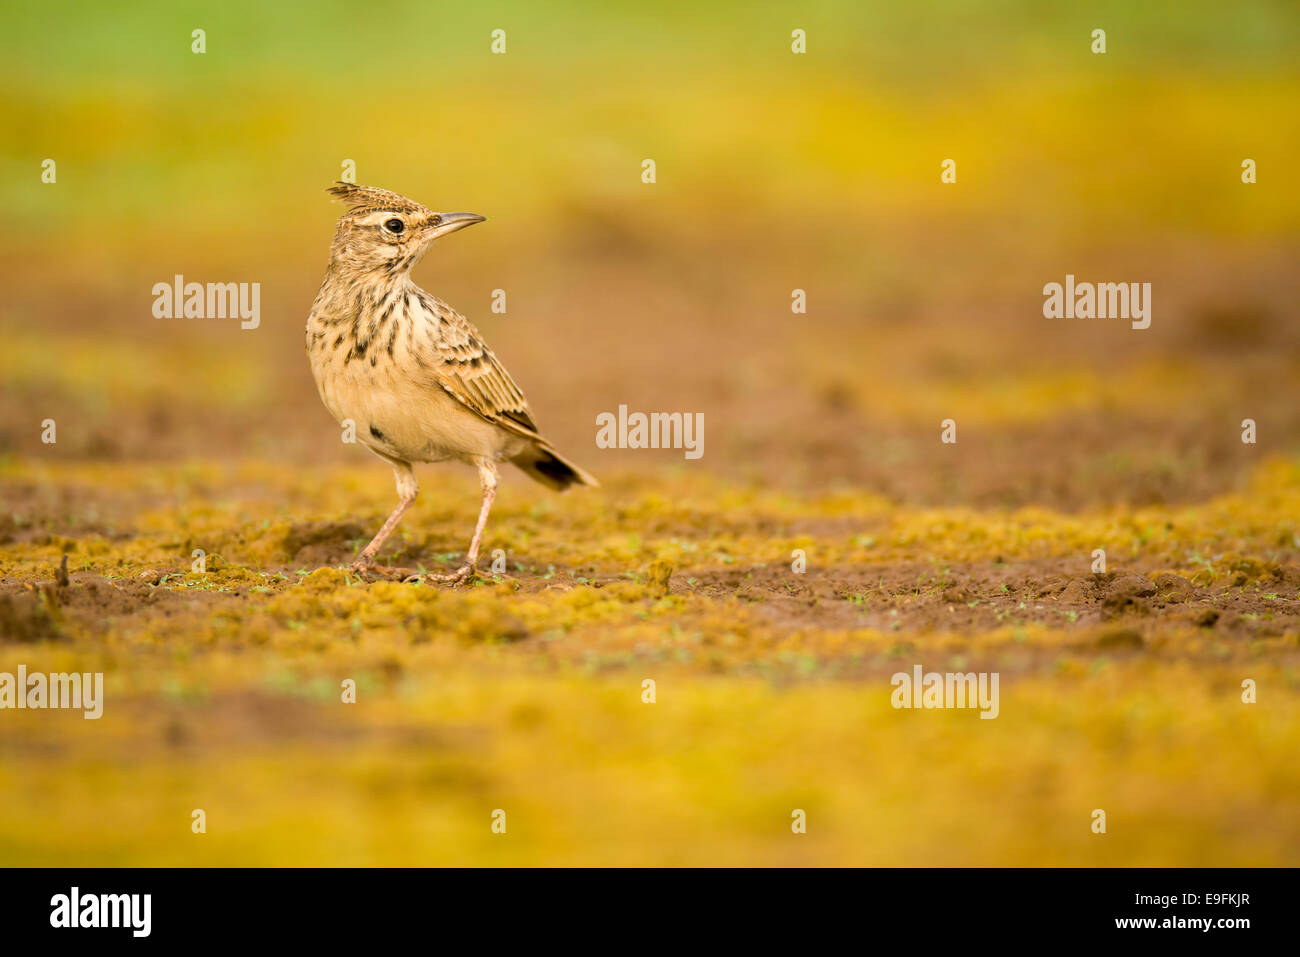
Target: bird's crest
x,y
362,199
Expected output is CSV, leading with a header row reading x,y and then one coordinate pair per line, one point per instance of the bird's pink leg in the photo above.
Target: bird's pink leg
x,y
487,475
407,489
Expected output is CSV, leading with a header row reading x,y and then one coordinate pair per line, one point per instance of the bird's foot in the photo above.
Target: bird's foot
x,y
369,571
460,575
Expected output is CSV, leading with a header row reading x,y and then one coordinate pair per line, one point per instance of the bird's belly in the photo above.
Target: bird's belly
x,y
405,419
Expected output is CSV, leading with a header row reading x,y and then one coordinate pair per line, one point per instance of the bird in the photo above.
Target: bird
x,y
414,377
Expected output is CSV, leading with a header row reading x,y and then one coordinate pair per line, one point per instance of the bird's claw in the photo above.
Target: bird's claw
x,y
460,575
369,571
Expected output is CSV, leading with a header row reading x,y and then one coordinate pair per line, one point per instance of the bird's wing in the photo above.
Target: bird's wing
x,y
465,368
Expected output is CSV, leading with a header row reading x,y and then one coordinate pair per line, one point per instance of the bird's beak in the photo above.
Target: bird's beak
x,y
451,222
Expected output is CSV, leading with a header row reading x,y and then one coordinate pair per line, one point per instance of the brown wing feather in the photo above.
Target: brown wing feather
x,y
468,371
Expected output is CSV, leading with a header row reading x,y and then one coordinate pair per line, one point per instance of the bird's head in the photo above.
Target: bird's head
x,y
387,233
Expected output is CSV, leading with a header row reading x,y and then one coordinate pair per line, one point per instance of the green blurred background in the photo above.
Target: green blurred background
x,y
776,171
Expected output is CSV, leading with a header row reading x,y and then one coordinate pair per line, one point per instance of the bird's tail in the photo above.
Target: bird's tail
x,y
547,466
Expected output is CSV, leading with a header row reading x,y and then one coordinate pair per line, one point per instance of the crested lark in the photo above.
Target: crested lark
x,y
412,374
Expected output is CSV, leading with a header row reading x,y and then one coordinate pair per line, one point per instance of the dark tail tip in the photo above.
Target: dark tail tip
x,y
552,470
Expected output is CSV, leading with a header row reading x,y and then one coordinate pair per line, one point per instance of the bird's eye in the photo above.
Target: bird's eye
x,y
395,225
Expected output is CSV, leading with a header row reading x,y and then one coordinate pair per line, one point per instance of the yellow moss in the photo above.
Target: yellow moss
x,y
525,693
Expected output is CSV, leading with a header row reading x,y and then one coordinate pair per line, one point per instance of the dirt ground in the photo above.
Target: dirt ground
x,y
768,592
524,692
